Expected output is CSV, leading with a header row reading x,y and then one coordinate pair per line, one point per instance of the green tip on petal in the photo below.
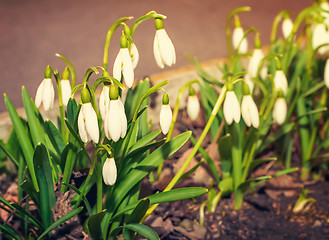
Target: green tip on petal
x,y
106,74
66,74
165,99
48,72
158,23
114,92
123,41
280,93
191,91
246,89
237,22
230,86
85,96
278,65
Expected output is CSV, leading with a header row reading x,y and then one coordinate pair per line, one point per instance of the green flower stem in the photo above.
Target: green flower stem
x,y
228,27
195,149
275,25
174,117
149,15
236,155
99,183
70,67
108,39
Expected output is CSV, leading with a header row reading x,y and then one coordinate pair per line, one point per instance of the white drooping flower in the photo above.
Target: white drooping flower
x,y
287,26
165,115
254,62
45,93
326,73
280,110
231,108
280,81
193,107
104,100
134,55
87,119
163,48
115,124
320,37
249,111
123,63
325,6
66,87
109,171
239,41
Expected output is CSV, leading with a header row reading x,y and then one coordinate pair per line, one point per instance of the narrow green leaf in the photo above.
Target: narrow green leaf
x,y
54,136
60,221
143,230
72,111
10,231
145,140
44,176
84,199
29,189
94,225
3,148
32,219
70,67
23,138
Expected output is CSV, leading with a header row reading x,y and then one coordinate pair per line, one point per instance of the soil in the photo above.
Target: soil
x,y
267,212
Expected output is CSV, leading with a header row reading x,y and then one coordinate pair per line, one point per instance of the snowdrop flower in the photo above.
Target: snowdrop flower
x,y
87,119
280,81
325,5
231,107
237,38
123,63
45,92
163,48
66,87
280,109
165,114
320,37
115,125
326,73
134,55
287,26
104,98
249,109
256,59
109,171
193,105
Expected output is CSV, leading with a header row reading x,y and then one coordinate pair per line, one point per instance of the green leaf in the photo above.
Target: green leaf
x,y
145,140
3,148
72,110
44,176
36,129
33,220
94,225
84,199
54,136
23,138
10,231
141,229
70,67
145,166
60,221
29,189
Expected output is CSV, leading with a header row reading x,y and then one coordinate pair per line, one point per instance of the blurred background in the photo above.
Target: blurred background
x,y
32,31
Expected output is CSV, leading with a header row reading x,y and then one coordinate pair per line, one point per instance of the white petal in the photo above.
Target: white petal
x,y
48,94
320,37
66,91
156,53
287,26
326,73
280,81
235,108
91,121
82,126
280,111
166,47
255,59
165,118
127,68
193,107
236,38
117,66
114,120
123,120
109,171
107,123
135,53
104,100
245,110
39,94
231,108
